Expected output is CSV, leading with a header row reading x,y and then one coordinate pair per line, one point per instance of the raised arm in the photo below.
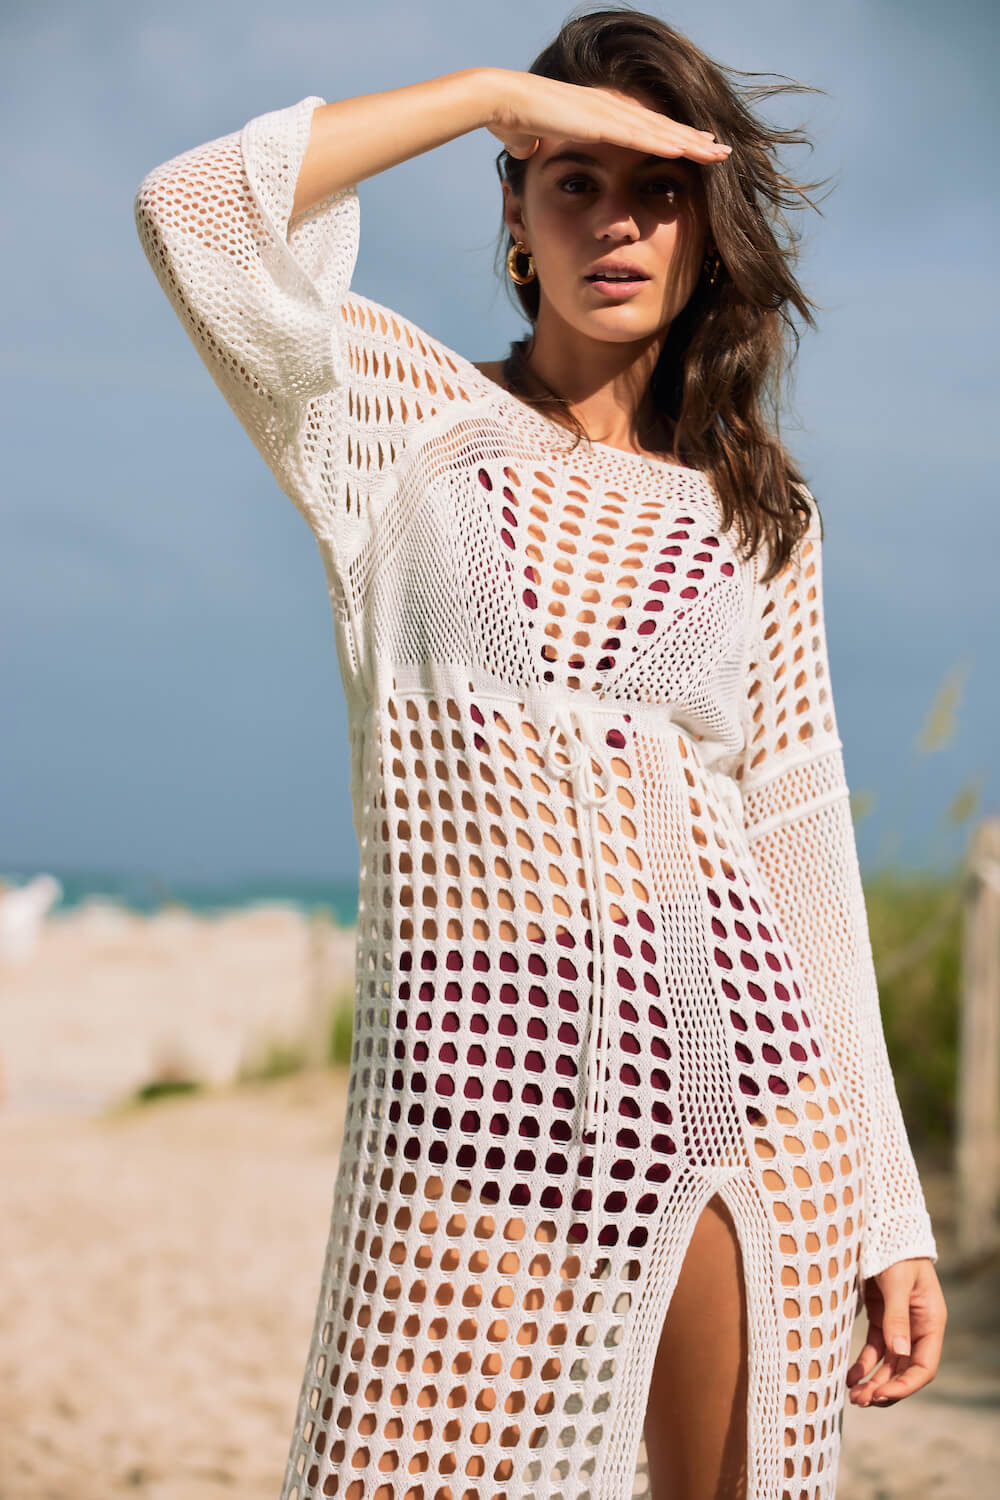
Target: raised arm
x,y
352,139
797,813
254,236
257,295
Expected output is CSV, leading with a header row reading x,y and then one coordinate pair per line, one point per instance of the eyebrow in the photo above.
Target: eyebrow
x,y
583,158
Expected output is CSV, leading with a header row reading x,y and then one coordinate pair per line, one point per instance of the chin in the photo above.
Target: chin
x,y
620,325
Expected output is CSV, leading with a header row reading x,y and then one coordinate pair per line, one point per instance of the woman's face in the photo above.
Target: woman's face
x,y
589,207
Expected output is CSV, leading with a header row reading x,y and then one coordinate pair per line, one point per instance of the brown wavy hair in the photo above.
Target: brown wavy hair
x,y
720,376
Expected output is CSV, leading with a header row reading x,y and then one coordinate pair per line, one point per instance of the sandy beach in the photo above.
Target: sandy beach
x,y
112,998
161,1263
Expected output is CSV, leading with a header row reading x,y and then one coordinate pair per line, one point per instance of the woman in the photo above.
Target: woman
x,y
622,1151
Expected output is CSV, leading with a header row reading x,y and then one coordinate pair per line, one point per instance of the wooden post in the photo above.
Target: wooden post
x,y
316,1030
978,1144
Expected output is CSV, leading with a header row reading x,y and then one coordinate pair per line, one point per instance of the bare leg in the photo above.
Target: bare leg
x,y
695,1428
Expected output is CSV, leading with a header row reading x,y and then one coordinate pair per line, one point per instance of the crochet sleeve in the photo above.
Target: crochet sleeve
x,y
259,293
801,833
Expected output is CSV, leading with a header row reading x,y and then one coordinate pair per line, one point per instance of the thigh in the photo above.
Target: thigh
x,y
695,1429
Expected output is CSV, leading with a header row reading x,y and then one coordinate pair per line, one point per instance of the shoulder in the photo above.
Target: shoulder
x,y
814,530
491,368
376,324
390,347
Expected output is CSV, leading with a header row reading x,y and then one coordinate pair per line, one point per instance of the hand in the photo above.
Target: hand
x,y
529,107
903,1302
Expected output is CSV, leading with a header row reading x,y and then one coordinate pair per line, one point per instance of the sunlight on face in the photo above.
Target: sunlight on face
x,y
587,205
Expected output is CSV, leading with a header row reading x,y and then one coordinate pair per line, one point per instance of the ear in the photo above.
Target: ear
x,y
512,213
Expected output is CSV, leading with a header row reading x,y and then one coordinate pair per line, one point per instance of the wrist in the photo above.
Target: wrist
x,y
492,89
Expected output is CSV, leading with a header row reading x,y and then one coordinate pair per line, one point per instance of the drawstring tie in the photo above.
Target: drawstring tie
x,y
568,715
566,718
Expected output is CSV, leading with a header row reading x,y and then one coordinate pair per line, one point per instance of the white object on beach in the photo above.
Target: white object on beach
x,y
23,909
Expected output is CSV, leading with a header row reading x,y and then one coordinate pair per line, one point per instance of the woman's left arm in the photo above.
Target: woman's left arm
x,y
799,826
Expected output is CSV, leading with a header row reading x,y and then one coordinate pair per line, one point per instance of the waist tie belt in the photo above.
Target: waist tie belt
x,y
566,715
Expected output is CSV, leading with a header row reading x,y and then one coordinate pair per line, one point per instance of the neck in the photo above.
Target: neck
x,y
606,383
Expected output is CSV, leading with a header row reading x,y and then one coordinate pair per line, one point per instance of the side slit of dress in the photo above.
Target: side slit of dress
x,y
693,1375
624,1461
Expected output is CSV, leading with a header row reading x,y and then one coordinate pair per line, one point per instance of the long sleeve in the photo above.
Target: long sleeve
x,y
260,294
798,819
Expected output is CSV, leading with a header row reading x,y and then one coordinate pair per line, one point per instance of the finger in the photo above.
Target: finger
x,y
686,140
869,1390
899,1376
917,1369
889,1369
871,1353
679,141
662,135
902,1385
896,1316
521,146
865,1363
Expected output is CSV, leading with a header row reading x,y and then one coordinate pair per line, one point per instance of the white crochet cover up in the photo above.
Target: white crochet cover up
x,y
612,949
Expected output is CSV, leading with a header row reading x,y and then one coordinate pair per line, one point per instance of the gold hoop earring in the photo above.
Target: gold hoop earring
x,y
711,266
519,248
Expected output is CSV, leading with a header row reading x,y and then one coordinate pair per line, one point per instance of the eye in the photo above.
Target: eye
x,y
662,186
571,184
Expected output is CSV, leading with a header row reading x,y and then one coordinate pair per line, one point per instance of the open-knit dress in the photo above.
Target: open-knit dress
x,y
612,953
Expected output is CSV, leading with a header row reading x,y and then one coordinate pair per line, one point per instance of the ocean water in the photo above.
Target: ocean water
x,y
148,893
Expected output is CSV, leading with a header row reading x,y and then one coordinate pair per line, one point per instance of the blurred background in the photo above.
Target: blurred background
x,y
177,859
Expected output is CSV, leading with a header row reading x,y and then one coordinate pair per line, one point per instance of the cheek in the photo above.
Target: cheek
x,y
679,248
556,229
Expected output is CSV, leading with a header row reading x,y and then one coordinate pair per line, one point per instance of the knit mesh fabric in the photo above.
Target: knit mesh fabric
x,y
612,953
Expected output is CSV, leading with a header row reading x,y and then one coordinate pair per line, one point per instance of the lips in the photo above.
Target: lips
x,y
615,272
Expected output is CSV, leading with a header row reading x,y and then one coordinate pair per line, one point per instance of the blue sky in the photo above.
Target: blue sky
x,y
173,704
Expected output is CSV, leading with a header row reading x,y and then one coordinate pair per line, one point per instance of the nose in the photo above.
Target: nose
x,y
615,218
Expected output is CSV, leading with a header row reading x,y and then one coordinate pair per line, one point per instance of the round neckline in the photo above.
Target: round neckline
x,y
550,424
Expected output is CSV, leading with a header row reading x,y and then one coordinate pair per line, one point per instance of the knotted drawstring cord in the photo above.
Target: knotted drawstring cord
x,y
566,718
566,715
730,792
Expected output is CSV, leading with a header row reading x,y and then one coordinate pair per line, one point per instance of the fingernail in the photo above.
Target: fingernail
x,y
900,1345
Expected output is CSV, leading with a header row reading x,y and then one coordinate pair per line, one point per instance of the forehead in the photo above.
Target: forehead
x,y
554,152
